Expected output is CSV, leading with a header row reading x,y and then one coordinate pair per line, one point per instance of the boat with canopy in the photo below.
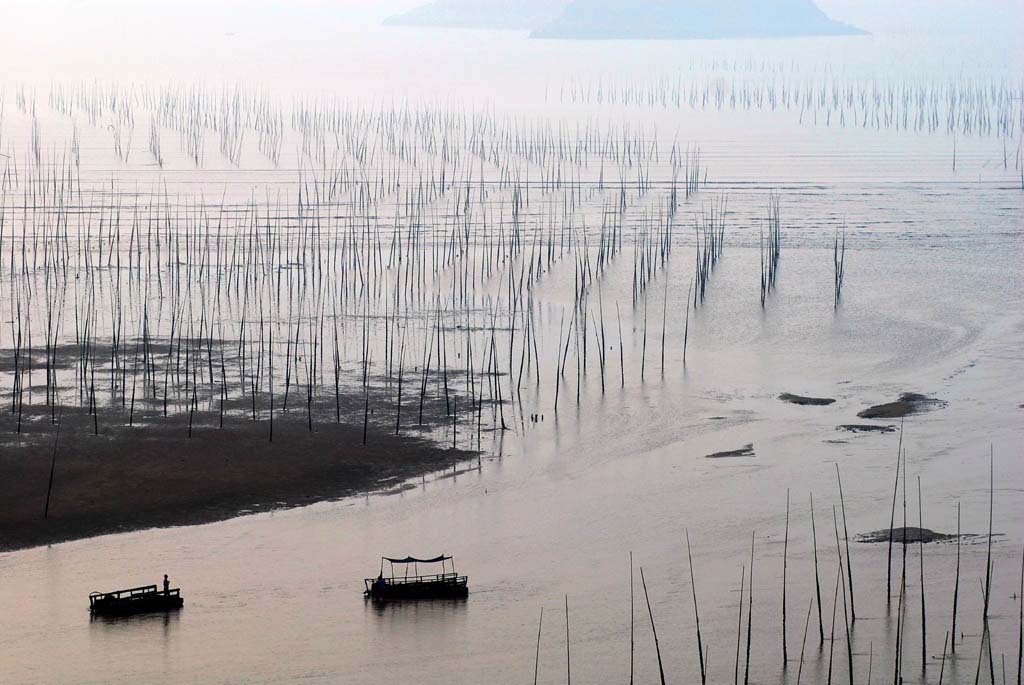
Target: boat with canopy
x,y
400,584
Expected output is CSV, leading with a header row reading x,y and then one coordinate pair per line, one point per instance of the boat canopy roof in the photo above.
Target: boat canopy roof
x,y
414,560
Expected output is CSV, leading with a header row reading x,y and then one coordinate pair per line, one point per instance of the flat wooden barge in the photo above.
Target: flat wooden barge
x,y
136,600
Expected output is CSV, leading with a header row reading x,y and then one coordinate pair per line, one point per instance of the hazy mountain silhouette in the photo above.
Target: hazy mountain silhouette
x,y
637,19
682,19
482,14
976,18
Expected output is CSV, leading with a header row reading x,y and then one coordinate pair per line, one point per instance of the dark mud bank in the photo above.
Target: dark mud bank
x,y
907,404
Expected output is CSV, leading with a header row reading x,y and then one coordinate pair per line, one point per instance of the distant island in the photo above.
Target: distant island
x,y
692,19
522,15
637,20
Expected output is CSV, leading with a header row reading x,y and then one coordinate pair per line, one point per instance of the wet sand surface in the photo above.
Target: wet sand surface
x,y
154,475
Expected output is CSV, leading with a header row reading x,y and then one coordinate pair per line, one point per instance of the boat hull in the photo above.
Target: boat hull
x,y
446,590
126,603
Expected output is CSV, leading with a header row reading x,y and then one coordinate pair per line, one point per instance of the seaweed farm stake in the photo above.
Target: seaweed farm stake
x,y
270,379
664,318
696,613
988,556
686,325
558,362
739,628
398,403
654,630
985,637
838,260
942,665
832,633
1020,621
785,548
632,643
366,408
892,521
536,658
920,548
897,673
568,662
622,363
750,609
803,643
956,583
846,619
817,583
846,540
643,349
53,465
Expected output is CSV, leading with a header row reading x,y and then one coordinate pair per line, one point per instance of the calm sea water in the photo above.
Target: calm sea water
x,y
932,303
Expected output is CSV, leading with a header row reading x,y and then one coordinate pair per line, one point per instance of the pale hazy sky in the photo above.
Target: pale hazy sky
x,y
295,40
879,14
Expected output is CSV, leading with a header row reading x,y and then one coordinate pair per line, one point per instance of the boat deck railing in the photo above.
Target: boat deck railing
x,y
437,578
134,593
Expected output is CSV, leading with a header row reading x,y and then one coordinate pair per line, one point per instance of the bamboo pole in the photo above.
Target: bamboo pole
x,y
53,465
920,548
632,636
739,628
785,549
536,658
817,583
696,612
956,583
892,520
1020,621
657,648
803,642
750,610
846,540
568,662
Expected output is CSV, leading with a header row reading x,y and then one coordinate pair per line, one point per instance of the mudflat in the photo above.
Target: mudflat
x,y
152,474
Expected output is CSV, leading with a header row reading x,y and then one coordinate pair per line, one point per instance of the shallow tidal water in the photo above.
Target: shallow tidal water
x,y
550,514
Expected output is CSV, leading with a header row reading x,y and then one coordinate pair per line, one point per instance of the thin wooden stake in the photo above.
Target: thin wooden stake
x,y
750,610
846,541
696,613
956,583
632,642
53,464
988,556
892,520
785,548
1020,621
657,649
536,658
832,633
739,628
568,663
817,583
942,665
920,549
803,643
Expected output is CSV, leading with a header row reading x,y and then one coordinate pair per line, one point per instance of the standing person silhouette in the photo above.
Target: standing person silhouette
x,y
167,585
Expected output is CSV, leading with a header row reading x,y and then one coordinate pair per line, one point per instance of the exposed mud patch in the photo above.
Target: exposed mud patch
x,y
806,401
907,404
912,535
865,428
745,451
